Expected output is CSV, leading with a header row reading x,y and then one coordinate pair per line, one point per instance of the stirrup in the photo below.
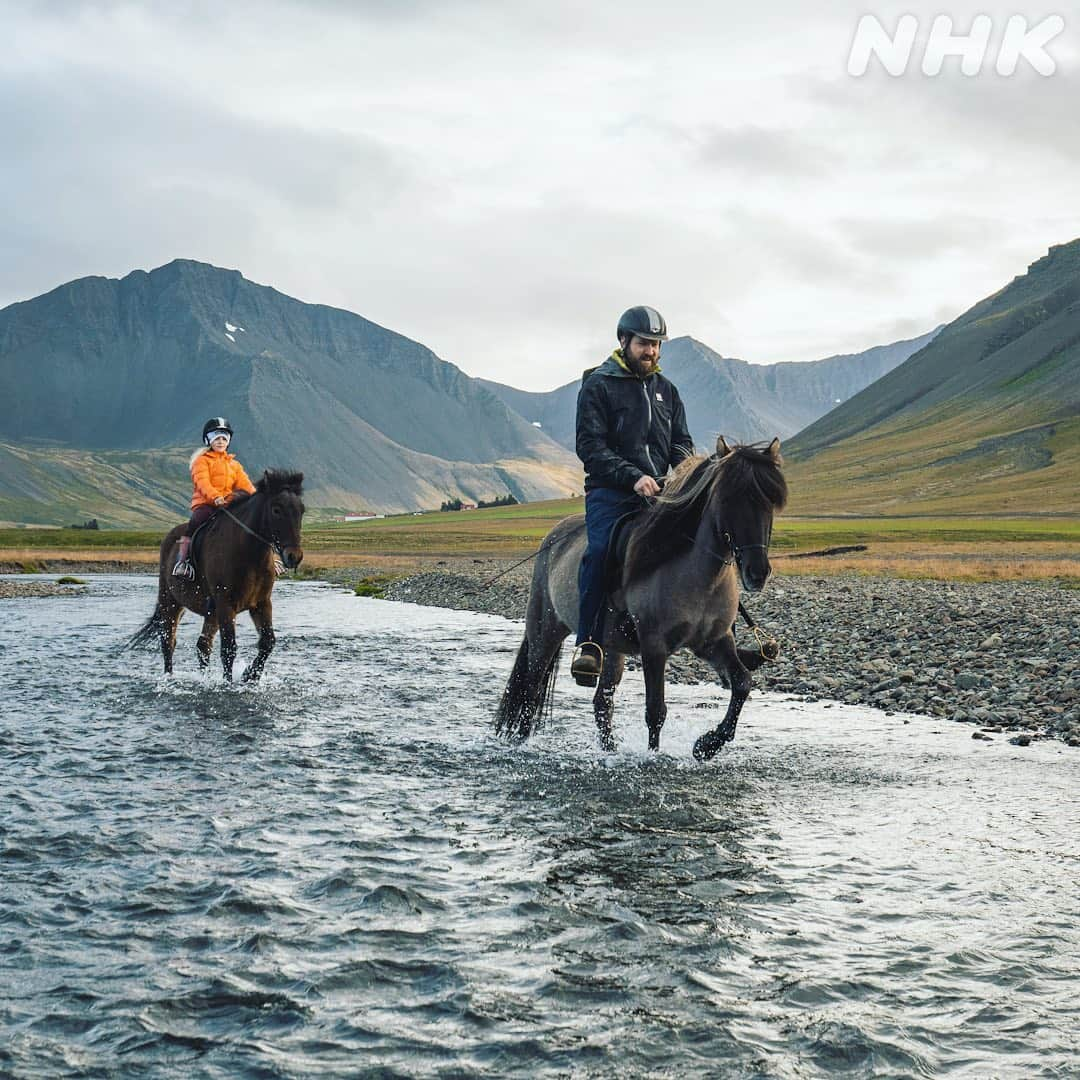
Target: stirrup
x,y
184,569
581,666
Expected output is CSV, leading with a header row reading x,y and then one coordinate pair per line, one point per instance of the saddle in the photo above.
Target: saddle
x,y
197,538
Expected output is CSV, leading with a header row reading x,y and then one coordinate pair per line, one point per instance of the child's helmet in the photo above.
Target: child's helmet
x,y
215,423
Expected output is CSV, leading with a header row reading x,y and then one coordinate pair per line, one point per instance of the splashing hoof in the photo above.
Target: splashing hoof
x,y
513,736
707,747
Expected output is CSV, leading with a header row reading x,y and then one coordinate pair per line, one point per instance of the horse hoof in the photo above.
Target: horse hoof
x,y
770,650
707,746
513,736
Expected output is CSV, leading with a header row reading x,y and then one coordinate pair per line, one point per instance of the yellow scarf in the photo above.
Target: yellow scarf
x,y
617,356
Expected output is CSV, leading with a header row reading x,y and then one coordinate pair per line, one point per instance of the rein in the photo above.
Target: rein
x,y
766,645
274,543
520,562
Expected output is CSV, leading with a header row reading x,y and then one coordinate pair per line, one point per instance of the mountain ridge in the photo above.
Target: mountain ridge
x,y
985,417
728,396
375,420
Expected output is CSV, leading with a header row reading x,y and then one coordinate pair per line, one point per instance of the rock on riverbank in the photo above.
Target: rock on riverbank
x,y
1001,656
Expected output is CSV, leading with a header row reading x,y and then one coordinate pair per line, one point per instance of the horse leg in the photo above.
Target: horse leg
x,y
728,662
752,659
604,698
204,646
262,615
170,618
529,686
654,665
227,624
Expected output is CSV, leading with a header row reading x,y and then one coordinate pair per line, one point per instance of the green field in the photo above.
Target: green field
x,y
117,541
928,546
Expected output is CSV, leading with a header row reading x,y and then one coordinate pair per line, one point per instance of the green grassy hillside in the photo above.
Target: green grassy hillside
x,y
55,486
983,420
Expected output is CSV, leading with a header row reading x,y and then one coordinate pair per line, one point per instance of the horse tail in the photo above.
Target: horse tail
x,y
149,633
527,691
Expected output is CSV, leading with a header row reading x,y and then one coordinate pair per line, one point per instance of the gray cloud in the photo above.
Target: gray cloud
x,y
914,239
758,152
105,174
477,174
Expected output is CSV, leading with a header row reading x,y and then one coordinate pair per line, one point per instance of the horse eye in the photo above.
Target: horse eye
x,y
277,511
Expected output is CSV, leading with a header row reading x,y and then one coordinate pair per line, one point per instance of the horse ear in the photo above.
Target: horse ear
x,y
774,449
722,448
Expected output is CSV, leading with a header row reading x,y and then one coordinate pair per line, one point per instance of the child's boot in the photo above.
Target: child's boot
x,y
183,568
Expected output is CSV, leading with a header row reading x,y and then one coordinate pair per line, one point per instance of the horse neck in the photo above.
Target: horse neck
x,y
704,560
709,555
249,512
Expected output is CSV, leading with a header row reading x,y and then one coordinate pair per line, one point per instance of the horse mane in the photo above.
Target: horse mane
x,y
273,482
749,472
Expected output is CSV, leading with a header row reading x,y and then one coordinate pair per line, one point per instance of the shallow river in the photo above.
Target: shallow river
x,y
341,872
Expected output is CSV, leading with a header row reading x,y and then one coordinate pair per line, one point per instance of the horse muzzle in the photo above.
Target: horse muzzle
x,y
754,577
292,557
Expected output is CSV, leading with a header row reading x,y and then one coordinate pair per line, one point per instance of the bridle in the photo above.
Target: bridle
x,y
738,549
274,542
728,541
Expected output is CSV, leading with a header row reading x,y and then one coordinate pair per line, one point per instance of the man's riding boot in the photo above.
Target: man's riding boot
x,y
183,567
587,664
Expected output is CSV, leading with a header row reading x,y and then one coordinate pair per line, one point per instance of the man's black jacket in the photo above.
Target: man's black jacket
x,y
628,427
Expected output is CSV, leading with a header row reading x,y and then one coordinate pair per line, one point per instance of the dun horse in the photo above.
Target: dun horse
x,y
687,554
235,573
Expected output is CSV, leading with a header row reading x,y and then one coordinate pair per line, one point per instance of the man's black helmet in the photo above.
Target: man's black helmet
x,y
215,423
644,322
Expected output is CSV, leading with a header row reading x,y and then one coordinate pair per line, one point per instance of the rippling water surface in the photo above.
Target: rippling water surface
x,y
340,871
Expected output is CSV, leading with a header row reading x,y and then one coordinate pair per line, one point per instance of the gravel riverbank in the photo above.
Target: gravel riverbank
x,y
11,590
1004,657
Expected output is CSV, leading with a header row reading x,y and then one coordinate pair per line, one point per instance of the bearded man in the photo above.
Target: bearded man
x,y
631,429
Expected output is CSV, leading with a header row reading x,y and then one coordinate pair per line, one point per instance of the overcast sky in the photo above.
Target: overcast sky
x,y
499,180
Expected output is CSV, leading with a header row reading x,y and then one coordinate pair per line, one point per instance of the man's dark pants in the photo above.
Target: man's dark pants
x,y
603,507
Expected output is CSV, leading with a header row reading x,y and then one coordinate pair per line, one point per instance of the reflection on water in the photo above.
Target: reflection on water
x,y
341,870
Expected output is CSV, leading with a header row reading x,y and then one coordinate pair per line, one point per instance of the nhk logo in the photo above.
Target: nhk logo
x,y
1019,41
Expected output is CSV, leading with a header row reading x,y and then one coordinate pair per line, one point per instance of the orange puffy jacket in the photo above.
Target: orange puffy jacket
x,y
216,475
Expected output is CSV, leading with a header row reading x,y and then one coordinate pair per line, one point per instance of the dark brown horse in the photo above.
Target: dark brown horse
x,y
706,534
235,572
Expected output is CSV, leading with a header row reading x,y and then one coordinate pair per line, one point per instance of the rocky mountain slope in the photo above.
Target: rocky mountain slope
x,y
106,384
732,397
